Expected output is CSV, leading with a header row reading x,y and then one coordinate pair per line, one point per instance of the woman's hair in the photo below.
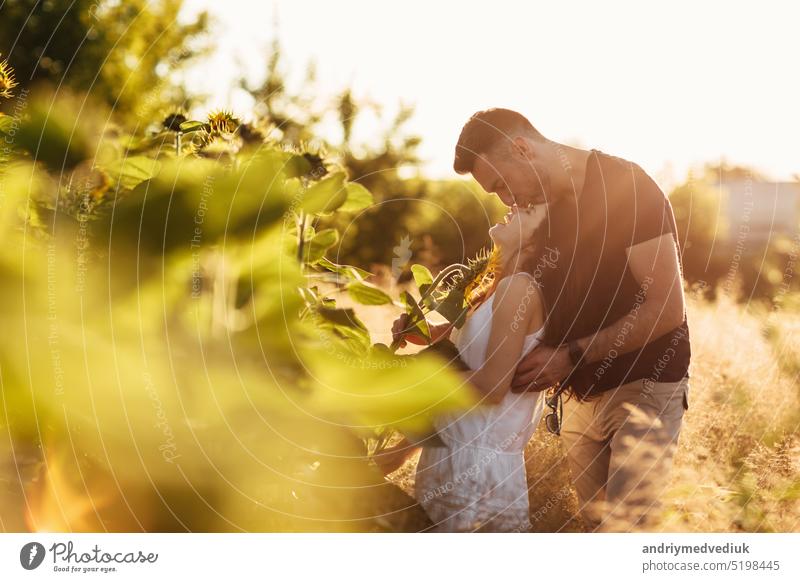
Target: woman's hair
x,y
557,274
553,270
558,283
477,291
550,266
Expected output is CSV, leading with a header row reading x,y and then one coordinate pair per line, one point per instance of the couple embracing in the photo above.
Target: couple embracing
x,y
583,323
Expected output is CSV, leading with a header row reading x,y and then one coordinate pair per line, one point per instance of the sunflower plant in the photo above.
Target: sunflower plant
x,y
7,80
451,293
192,274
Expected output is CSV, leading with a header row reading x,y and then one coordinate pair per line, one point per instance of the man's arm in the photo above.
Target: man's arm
x,y
654,264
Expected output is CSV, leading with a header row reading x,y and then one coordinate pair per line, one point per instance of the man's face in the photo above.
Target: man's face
x,y
515,179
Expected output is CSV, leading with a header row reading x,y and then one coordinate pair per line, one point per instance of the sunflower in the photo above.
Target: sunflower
x,y
222,121
7,81
481,274
473,279
172,122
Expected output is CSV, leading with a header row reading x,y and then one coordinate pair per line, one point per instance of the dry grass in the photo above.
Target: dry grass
x,y
737,467
738,464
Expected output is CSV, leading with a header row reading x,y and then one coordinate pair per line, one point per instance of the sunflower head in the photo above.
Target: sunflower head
x,y
222,121
314,153
7,80
486,267
317,163
172,122
481,272
251,134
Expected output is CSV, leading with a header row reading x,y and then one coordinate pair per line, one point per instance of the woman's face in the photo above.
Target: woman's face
x,y
518,227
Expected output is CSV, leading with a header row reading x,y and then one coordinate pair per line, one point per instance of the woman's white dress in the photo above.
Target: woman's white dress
x,y
477,482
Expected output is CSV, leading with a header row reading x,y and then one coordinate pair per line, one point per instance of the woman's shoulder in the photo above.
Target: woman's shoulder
x,y
518,295
518,281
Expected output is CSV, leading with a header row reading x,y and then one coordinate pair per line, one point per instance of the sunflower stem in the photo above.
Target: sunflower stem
x,y
301,237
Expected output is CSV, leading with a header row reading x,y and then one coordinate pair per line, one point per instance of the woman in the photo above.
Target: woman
x,y
477,481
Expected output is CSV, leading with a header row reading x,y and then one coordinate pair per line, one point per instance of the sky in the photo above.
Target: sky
x,y
669,85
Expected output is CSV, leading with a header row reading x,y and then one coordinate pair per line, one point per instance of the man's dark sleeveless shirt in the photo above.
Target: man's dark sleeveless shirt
x,y
620,206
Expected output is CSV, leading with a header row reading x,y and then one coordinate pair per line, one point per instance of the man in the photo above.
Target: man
x,y
617,332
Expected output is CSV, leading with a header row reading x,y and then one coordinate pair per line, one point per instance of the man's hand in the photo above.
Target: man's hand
x,y
541,368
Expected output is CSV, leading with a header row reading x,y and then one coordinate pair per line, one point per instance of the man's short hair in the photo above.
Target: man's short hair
x,y
487,129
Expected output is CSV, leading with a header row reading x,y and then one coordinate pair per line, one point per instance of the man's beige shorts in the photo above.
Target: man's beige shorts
x,y
620,447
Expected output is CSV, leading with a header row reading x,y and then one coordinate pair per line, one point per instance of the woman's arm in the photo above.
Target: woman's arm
x,y
517,308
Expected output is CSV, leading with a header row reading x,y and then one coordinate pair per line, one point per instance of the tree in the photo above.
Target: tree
x,y
746,266
124,53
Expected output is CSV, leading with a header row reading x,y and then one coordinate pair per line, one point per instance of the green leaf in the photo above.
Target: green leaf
x,y
385,390
191,195
358,198
326,195
418,317
422,277
6,122
381,350
53,135
316,248
346,325
190,126
296,166
132,171
367,294
350,272
453,308
424,280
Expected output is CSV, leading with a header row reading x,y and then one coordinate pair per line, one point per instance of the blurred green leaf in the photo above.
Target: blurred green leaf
x,y
347,271
296,165
367,294
190,126
358,198
192,203
53,135
133,170
6,123
325,196
346,325
316,248
396,391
